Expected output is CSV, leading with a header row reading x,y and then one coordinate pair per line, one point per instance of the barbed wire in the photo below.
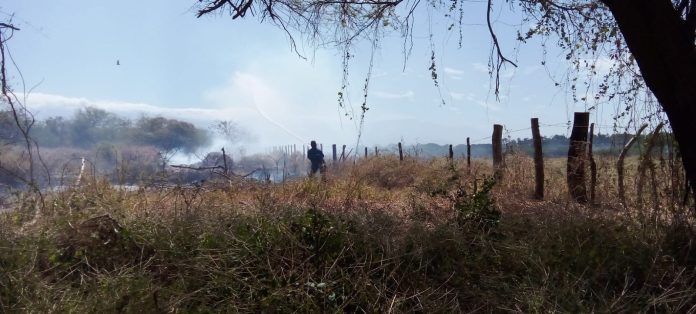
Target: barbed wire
x,y
566,125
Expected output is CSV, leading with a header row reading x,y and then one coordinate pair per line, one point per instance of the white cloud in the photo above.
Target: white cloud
x,y
531,69
602,65
473,99
488,105
480,67
457,96
44,105
452,71
410,95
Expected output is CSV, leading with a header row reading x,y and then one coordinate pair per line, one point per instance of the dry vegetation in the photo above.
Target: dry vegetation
x,y
377,236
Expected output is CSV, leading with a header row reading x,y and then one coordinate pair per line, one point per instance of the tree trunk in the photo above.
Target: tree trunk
x,y
577,153
663,45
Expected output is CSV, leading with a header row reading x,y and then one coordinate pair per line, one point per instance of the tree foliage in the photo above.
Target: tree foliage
x,y
90,127
169,134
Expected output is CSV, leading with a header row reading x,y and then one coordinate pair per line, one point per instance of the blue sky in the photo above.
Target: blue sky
x,y
200,70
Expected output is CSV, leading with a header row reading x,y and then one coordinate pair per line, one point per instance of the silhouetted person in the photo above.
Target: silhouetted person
x,y
316,157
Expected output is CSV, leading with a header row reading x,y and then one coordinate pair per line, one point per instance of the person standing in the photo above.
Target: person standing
x,y
316,157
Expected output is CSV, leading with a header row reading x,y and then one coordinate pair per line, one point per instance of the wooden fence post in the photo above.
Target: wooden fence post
x,y
498,162
620,164
365,151
468,153
376,152
401,153
343,153
333,148
538,161
577,153
593,168
450,154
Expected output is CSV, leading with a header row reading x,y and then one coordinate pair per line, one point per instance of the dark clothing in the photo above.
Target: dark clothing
x,y
316,157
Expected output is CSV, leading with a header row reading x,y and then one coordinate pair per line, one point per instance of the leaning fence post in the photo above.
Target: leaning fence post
x,y
577,152
498,162
620,164
538,161
401,153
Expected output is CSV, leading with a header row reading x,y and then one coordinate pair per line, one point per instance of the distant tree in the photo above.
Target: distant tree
x,y
170,136
53,132
91,125
230,131
215,159
650,43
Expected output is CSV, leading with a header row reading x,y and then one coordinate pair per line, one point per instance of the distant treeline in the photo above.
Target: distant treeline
x,y
556,146
90,127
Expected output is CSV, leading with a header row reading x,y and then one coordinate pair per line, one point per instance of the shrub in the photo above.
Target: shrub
x,y
477,208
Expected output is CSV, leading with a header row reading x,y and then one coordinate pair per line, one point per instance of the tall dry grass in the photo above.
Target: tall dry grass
x,y
375,236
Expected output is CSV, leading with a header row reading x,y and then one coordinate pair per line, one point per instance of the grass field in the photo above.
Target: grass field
x,y
377,236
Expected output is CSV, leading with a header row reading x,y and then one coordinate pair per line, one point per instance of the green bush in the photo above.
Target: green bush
x,y
478,208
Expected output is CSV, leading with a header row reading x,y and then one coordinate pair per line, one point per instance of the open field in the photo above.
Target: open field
x,y
377,236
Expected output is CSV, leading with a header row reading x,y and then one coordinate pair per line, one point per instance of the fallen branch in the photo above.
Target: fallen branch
x,y
645,164
620,163
227,176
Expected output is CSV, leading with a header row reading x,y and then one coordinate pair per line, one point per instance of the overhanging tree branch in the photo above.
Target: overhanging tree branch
x,y
500,58
214,6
